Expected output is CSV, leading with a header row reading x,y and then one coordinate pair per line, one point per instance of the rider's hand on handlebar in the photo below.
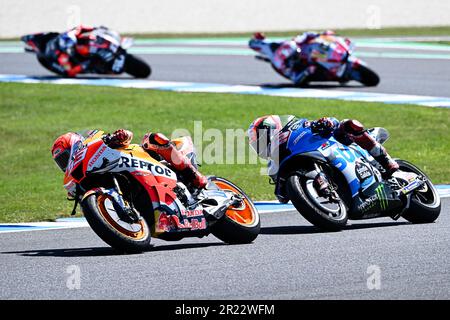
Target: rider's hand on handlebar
x,y
119,138
123,136
324,126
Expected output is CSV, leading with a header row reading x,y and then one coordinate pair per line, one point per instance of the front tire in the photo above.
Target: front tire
x,y
136,67
366,76
99,212
238,225
425,205
301,194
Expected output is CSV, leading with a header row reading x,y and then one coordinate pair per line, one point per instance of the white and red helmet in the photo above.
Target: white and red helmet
x,y
261,132
62,146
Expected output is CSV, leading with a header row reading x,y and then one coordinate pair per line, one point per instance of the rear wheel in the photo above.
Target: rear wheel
x,y
239,224
321,212
98,208
425,205
136,67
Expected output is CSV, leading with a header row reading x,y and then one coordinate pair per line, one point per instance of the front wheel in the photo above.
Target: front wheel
x,y
99,209
240,224
425,205
321,212
136,67
366,76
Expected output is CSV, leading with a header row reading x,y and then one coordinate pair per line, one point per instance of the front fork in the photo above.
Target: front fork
x,y
322,184
124,209
351,67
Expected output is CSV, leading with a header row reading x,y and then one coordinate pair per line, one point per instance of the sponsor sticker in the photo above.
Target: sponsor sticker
x,y
97,155
325,145
301,135
368,204
362,171
126,162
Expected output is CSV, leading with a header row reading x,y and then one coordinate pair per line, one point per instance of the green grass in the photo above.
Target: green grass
x,y
384,32
444,43
33,115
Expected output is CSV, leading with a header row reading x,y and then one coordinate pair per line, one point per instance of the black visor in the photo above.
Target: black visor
x,y
62,159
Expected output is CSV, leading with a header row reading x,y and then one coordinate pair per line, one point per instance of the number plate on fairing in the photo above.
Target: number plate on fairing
x,y
351,163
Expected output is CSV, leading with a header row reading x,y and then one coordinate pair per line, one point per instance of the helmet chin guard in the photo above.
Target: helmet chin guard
x,y
61,148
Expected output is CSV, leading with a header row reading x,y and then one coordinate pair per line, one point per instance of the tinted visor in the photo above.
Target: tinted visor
x,y
262,143
62,159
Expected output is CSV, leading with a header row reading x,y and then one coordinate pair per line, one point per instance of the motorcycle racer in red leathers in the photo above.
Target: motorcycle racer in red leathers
x,y
156,144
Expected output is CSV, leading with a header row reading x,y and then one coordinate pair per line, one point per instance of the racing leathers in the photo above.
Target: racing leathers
x,y
286,56
161,148
346,132
66,55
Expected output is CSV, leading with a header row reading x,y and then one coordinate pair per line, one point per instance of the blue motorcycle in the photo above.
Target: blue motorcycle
x,y
357,188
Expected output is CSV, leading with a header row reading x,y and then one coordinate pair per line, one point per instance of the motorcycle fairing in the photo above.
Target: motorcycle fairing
x,y
331,52
369,193
105,46
94,156
344,158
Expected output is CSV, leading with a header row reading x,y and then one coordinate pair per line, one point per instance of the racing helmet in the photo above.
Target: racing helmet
x,y
66,40
62,146
260,133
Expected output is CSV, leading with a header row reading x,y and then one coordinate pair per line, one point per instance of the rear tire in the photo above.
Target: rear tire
x,y
228,228
424,207
295,187
112,234
136,67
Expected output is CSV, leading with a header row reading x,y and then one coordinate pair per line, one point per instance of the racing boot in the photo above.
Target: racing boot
x,y
355,132
159,143
384,159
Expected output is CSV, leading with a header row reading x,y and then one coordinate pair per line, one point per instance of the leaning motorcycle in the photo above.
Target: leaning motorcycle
x,y
358,188
128,197
331,55
108,53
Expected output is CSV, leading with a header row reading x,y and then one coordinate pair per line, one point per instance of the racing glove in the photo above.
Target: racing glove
x,y
119,138
324,126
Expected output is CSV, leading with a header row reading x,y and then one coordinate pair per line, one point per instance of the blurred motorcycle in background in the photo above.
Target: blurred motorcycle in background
x,y
86,50
314,57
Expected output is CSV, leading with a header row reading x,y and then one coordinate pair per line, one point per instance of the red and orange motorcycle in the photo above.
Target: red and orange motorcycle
x,y
128,197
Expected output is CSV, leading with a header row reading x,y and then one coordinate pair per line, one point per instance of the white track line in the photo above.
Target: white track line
x,y
427,101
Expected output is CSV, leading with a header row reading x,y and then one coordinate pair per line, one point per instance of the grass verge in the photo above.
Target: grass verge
x,y
384,32
33,115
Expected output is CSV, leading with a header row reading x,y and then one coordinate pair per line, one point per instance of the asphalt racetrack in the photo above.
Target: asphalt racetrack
x,y
290,259
402,70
